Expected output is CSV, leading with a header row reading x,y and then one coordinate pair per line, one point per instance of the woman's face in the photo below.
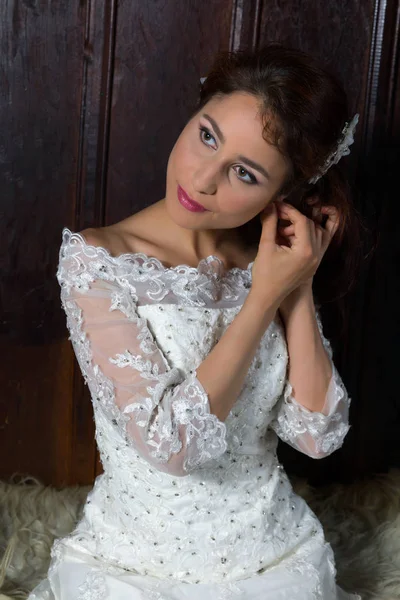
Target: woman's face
x,y
211,162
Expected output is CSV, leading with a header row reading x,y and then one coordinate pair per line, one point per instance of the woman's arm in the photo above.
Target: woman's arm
x,y
310,366
312,414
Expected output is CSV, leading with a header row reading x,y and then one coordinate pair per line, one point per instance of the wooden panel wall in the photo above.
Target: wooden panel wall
x,y
41,95
93,95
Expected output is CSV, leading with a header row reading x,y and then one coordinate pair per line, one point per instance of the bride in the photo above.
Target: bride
x,y
196,325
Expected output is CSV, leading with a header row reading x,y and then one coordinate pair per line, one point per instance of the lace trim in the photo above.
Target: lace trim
x,y
136,271
209,434
294,419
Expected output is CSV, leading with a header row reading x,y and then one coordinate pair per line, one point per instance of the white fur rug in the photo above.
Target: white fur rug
x,y
361,521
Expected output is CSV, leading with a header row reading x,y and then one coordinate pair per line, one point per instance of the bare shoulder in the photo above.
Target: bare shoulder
x,y
127,236
93,236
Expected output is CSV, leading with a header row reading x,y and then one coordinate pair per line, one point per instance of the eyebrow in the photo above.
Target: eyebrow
x,y
247,161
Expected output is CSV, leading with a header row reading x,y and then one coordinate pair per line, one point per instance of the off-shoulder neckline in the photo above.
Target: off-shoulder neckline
x,y
145,257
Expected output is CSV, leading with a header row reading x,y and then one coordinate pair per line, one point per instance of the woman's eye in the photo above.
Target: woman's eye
x,y
252,178
205,131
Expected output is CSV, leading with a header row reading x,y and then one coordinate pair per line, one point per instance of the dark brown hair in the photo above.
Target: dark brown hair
x,y
304,109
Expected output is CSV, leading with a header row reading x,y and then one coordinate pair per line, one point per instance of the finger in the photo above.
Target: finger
x,y
302,226
282,240
321,237
332,222
287,229
269,221
327,234
289,212
317,214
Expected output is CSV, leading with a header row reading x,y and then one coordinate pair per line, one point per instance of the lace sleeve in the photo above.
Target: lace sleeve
x,y
316,434
162,414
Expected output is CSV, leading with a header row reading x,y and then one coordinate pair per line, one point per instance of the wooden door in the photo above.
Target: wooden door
x,y
93,95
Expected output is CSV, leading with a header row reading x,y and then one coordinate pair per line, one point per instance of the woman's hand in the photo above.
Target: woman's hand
x,y
329,228
289,256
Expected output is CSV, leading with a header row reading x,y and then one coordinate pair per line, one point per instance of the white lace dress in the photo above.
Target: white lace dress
x,y
188,506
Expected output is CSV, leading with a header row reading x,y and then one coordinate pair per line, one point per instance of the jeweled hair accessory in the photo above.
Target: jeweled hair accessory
x,y
342,149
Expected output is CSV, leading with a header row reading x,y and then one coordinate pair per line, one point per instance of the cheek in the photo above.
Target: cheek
x,y
184,153
177,164
236,202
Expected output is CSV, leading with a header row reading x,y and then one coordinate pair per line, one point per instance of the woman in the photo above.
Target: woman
x,y
183,322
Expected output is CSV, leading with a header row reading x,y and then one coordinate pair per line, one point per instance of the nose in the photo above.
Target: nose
x,y
205,179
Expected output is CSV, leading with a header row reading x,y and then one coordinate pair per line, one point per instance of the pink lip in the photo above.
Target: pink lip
x,y
188,203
